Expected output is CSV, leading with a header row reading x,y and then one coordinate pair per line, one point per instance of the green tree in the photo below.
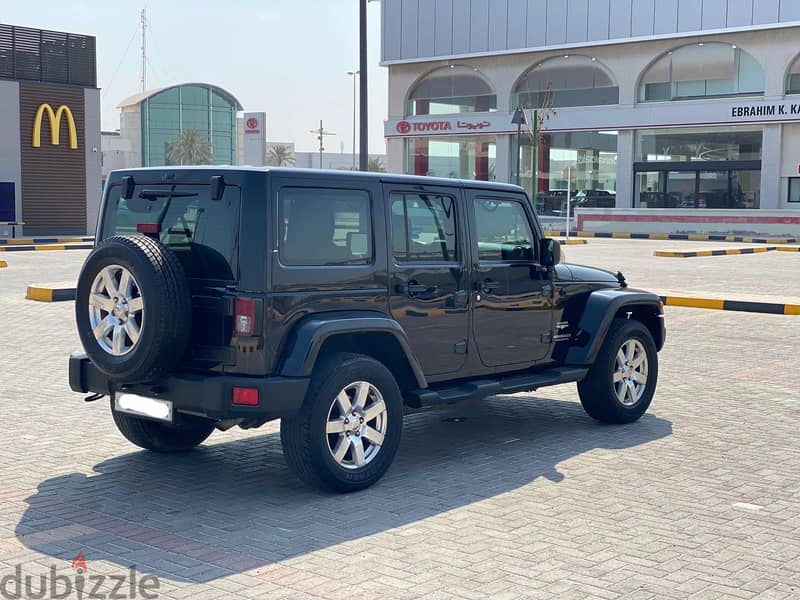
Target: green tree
x,y
375,165
281,156
189,148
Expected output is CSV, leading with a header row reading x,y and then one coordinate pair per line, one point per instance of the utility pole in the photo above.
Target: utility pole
x,y
321,133
354,74
363,66
144,49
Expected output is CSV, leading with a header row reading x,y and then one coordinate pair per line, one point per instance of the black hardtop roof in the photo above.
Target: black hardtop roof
x,y
329,173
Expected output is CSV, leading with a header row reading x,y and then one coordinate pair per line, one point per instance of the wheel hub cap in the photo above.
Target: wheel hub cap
x,y
630,372
356,426
116,310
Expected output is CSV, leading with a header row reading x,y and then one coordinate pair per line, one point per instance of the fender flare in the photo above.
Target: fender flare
x,y
598,315
310,334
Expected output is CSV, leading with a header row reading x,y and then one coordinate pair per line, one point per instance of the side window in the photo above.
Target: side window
x,y
324,227
424,228
504,233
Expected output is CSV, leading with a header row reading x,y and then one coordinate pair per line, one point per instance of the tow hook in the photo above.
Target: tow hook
x,y
93,397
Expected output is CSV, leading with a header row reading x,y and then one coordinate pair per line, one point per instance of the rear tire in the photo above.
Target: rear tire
x,y
628,359
347,433
189,432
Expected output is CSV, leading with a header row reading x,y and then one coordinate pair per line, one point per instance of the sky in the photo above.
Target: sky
x,y
288,58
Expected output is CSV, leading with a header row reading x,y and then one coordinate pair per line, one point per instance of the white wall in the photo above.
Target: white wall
x,y
91,98
10,152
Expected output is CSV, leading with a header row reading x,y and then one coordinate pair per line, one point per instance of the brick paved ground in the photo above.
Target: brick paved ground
x,y
527,497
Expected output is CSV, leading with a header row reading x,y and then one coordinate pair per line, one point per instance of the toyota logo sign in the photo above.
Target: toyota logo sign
x,y
403,127
252,123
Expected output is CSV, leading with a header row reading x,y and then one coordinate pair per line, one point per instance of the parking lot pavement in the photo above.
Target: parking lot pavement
x,y
524,496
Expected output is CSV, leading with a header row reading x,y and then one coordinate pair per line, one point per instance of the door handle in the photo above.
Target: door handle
x,y
413,288
489,285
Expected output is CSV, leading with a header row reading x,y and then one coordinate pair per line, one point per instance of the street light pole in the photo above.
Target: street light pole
x,y
519,120
363,66
354,75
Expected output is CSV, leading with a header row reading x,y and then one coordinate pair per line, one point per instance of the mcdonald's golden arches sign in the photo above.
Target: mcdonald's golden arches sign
x,y
54,118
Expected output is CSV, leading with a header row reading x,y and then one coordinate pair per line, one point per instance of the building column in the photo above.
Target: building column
x,y
504,165
626,156
771,156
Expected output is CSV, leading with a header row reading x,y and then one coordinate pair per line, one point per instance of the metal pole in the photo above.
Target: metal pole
x,y
569,193
321,147
519,152
535,166
354,74
363,66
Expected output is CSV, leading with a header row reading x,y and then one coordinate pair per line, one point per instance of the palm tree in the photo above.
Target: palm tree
x,y
281,156
189,148
375,165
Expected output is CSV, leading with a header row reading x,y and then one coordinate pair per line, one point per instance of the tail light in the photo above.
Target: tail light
x,y
244,317
245,396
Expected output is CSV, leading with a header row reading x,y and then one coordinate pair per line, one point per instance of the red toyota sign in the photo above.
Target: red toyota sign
x,y
403,127
252,123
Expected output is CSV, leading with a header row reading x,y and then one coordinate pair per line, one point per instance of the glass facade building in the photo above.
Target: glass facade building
x,y
192,123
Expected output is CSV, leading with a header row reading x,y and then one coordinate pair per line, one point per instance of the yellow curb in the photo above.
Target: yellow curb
x,y
696,302
573,242
50,247
52,292
39,294
790,249
792,309
3,264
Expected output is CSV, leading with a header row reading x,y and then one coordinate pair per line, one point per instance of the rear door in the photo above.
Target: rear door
x,y
512,297
203,233
428,277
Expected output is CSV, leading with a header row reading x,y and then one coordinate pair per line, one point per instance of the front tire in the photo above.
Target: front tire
x,y
620,385
347,433
189,432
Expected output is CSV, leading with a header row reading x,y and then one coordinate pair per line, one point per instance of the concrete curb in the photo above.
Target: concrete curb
x,y
692,237
730,252
789,249
573,242
51,292
46,247
733,305
34,241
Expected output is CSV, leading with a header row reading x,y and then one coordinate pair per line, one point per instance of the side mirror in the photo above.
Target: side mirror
x,y
551,252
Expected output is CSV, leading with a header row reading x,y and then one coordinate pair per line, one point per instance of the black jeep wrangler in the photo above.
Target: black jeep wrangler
x,y
335,301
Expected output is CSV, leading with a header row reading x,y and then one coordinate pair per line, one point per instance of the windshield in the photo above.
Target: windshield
x,y
202,232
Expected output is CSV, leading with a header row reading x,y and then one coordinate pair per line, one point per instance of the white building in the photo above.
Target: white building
x,y
670,104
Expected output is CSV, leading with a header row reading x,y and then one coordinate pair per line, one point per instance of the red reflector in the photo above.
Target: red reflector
x,y
148,228
244,317
245,396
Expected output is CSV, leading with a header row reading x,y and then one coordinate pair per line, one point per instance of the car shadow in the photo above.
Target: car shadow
x,y
230,507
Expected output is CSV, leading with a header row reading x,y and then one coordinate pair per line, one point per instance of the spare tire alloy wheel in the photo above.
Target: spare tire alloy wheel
x,y
630,372
116,310
357,423
133,308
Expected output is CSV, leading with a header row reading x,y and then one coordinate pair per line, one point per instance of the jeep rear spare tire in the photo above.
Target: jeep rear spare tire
x,y
133,309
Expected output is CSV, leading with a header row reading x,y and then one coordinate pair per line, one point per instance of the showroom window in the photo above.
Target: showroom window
x,y
572,80
698,168
581,162
703,70
462,157
451,90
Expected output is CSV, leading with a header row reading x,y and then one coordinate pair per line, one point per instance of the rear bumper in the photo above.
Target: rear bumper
x,y
200,394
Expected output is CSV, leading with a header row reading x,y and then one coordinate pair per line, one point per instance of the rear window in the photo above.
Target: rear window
x,y
202,232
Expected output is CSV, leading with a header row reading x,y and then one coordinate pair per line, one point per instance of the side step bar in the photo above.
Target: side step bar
x,y
481,388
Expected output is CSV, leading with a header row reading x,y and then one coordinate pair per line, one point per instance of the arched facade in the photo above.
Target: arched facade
x,y
451,90
701,70
697,122
566,81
